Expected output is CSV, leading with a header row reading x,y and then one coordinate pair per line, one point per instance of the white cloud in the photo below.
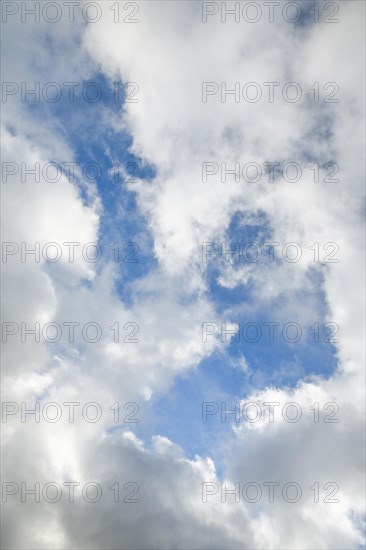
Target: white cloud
x,y
169,53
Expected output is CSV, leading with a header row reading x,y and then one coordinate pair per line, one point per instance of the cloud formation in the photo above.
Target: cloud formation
x,y
170,54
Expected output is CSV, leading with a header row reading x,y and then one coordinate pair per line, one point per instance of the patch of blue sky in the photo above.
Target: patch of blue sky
x,y
238,305
261,333
240,370
228,377
179,413
252,363
103,153
245,234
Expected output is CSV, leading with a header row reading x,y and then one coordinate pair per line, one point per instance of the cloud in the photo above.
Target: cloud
x,y
169,54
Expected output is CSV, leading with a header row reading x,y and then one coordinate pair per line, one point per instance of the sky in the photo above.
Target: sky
x,y
183,275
